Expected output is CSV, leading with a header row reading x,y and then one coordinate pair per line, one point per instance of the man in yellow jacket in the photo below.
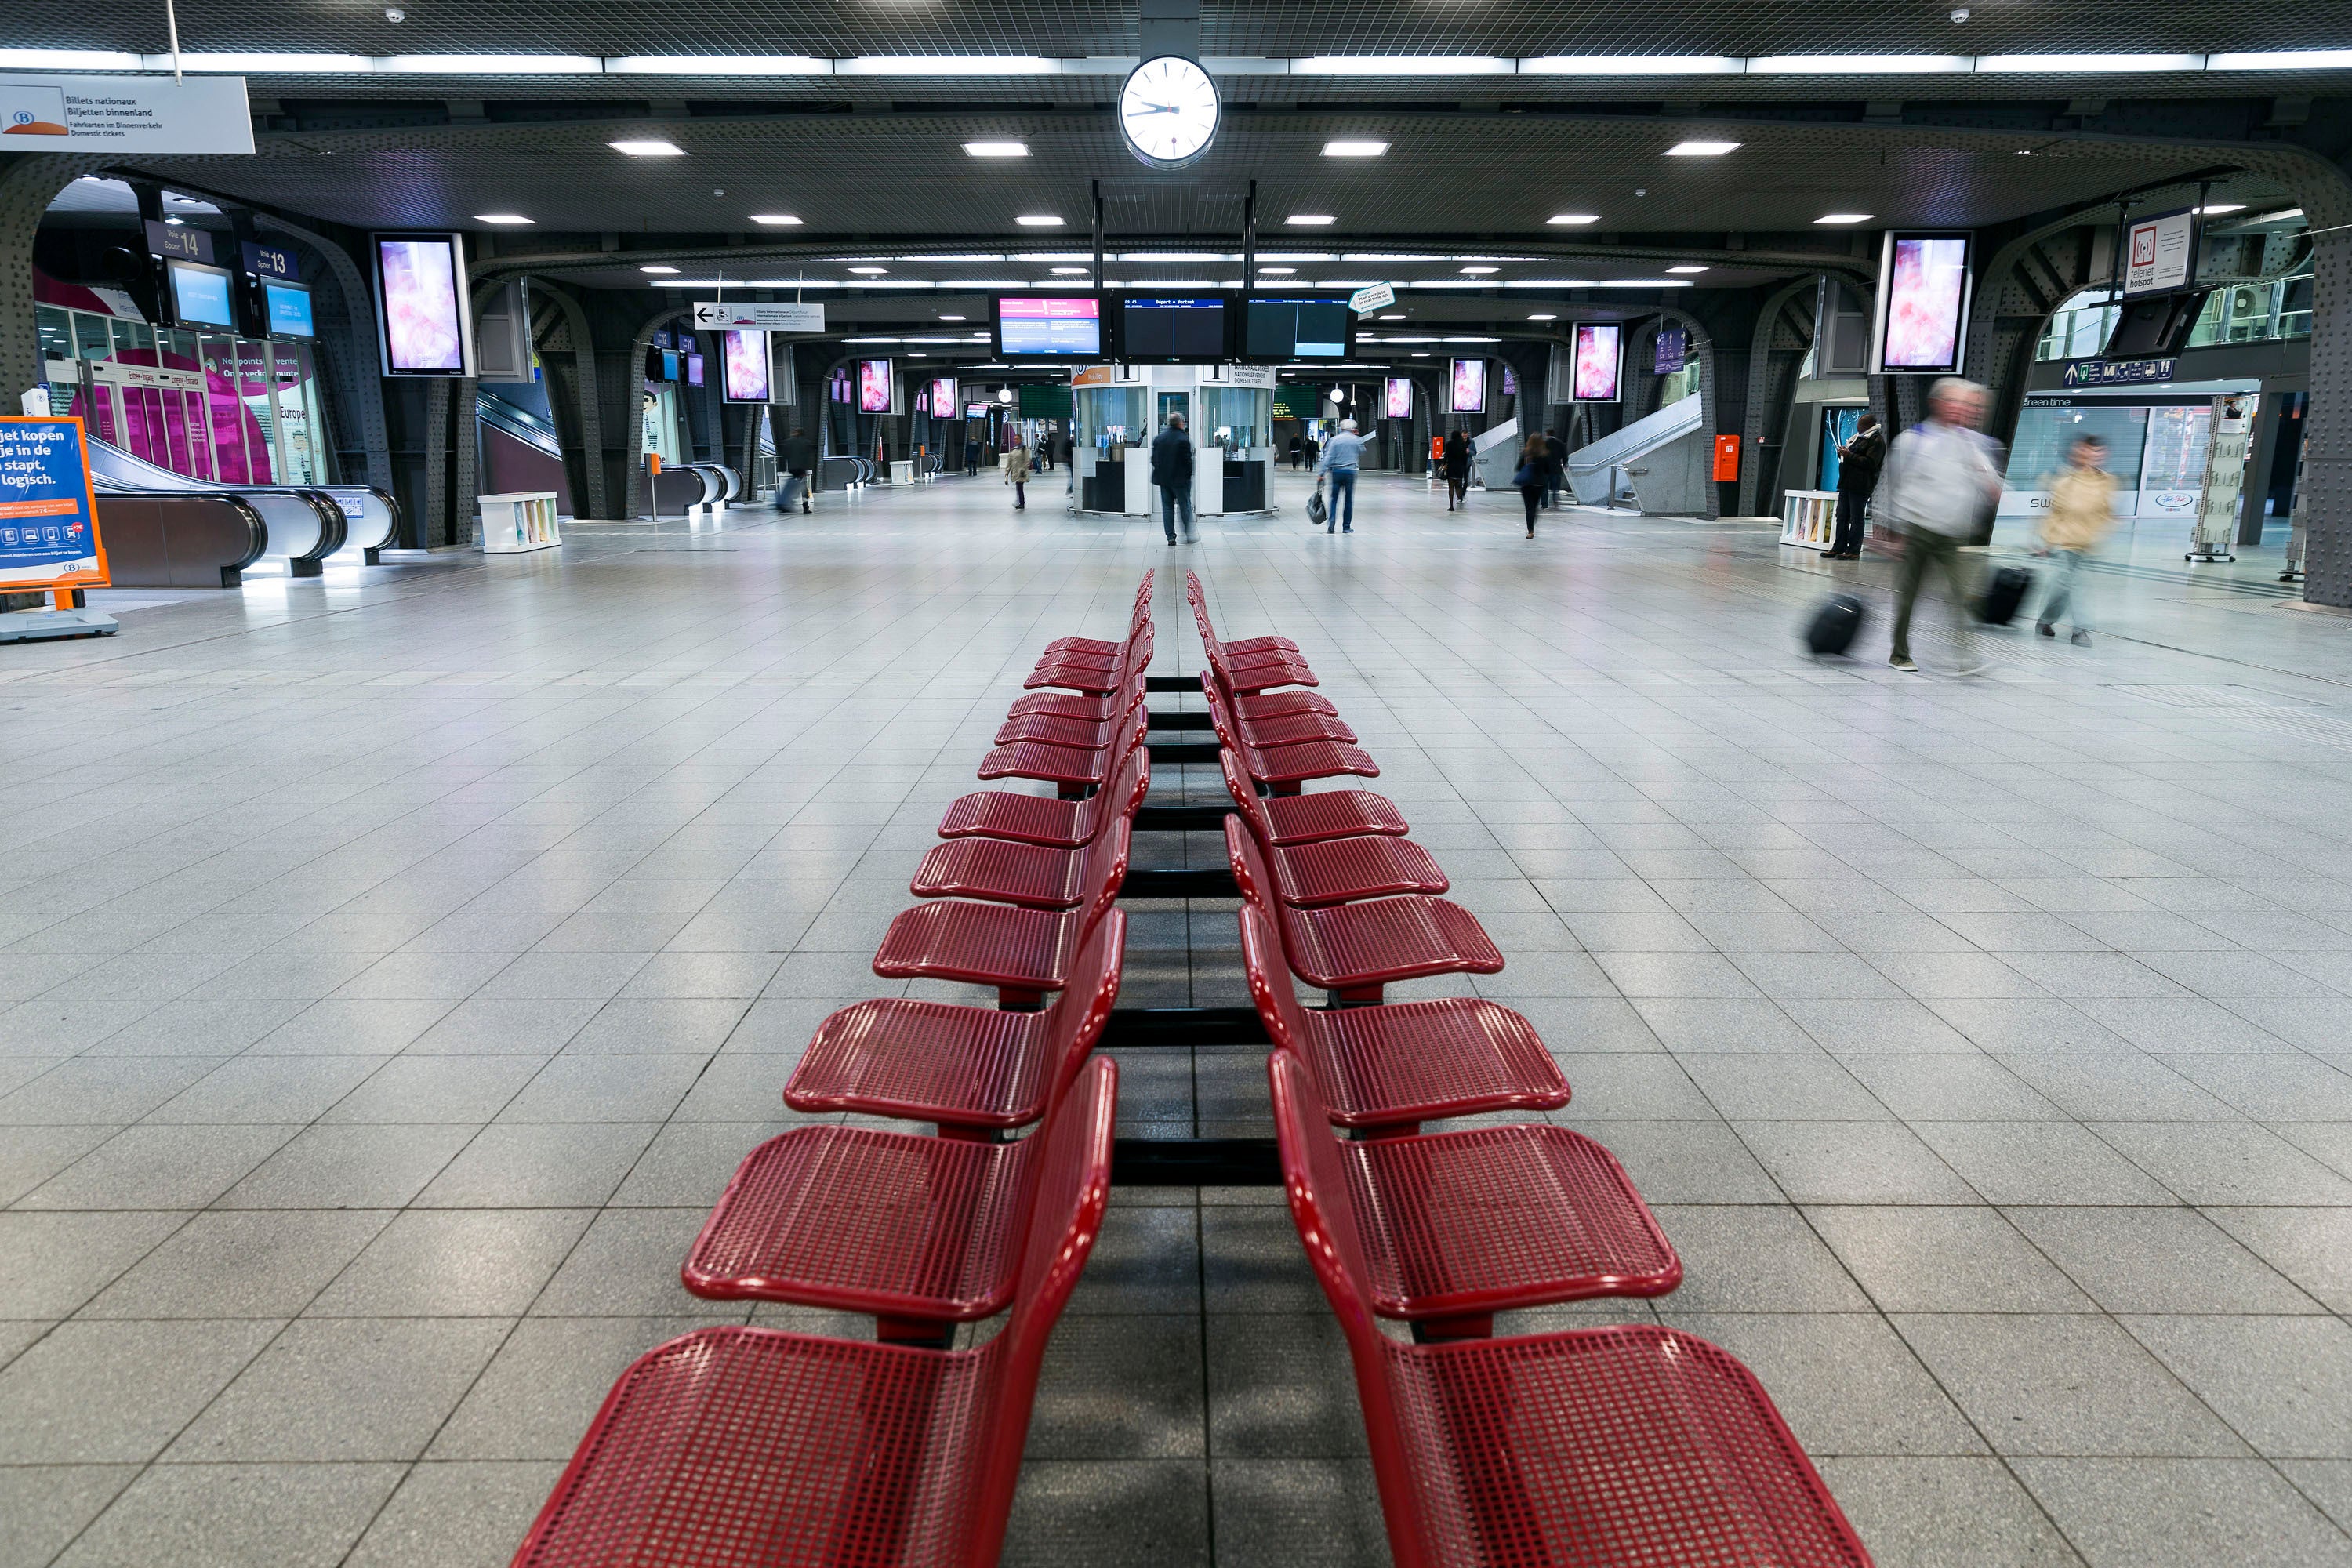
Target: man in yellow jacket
x,y
2081,511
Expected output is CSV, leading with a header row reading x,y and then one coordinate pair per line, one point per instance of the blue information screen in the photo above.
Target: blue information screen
x,y
200,296
49,530
290,311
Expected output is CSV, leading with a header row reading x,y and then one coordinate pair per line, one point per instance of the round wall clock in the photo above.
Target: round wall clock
x,y
1168,111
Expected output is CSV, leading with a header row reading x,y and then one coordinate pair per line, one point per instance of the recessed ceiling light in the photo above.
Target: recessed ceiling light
x,y
775,220
1391,317
1843,217
2216,209
950,317
1354,149
1686,267
869,271
1070,271
1480,271
1543,317
1282,271
997,149
1038,220
1417,354
1701,149
662,269
648,149
1310,220
1573,217
500,218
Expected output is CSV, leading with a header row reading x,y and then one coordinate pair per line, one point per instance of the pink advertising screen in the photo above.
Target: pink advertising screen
x,y
1398,402
423,320
874,387
744,358
1924,294
1596,346
1469,394
943,398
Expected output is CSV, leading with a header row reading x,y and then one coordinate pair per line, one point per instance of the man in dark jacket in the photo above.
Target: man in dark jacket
x,y
1555,465
1859,461
798,459
1172,471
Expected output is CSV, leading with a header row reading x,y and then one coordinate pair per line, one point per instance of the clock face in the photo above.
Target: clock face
x,y
1168,111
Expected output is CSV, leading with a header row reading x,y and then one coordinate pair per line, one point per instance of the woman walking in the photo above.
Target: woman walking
x,y
1534,475
1458,469
1016,474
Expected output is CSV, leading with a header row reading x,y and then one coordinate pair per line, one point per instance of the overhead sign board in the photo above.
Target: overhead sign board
x,y
203,114
2160,252
2118,372
1377,297
718,315
270,261
48,514
178,239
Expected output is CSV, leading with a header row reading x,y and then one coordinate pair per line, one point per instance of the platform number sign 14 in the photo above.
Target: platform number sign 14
x,y
1168,111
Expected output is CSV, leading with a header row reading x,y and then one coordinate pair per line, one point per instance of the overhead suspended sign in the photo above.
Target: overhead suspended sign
x,y
1672,350
718,315
1378,297
124,115
2160,252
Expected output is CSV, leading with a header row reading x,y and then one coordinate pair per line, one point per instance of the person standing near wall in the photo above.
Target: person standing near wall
x,y
1859,461
798,460
1172,471
1940,479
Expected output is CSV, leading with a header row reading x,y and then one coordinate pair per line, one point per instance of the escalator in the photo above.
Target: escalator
x,y
304,524
1645,464
522,452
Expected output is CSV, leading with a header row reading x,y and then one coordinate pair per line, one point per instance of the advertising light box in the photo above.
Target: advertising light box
x,y
1048,326
943,398
1922,305
48,512
743,365
875,384
1396,402
1469,386
1598,349
423,326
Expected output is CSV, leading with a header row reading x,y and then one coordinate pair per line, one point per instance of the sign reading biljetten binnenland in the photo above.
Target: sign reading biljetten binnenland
x,y
205,114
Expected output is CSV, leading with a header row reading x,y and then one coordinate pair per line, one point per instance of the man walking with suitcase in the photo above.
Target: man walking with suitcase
x,y
1941,479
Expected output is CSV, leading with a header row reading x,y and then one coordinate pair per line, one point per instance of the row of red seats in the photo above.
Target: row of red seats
x,y
1621,1445
742,1445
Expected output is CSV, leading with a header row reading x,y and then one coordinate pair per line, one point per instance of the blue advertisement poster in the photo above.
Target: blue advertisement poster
x,y
48,519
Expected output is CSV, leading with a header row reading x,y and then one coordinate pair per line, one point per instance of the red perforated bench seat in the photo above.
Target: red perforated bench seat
x,y
739,1447
1032,875
1023,953
968,1069
1345,870
1355,950
1261,705
1456,1226
1384,1071
1058,824
1066,767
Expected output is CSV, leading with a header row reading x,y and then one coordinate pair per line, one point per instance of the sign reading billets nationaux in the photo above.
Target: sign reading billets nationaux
x,y
48,513
203,114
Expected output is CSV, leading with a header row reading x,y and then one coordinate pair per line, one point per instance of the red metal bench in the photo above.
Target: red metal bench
x,y
1261,673
1071,770
1457,1226
1283,769
919,1233
1000,872
973,1071
1094,677
1355,950
1141,613
1060,824
1023,953
1340,870
733,1447
1591,1447
1199,601
1288,819
1385,1070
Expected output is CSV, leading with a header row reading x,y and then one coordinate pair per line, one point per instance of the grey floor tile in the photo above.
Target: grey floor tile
x,y
240,1264
44,1506
2181,1512
2226,1163
1920,1259
350,1167
1155,1363
550,1166
455,1263
1845,1382
226,1516
1132,1513
1755,1259
2063,1385
1279,1388
52,1263
1944,1513
2158,1260
543,1387
1299,1513
689,1162
117,1393
2039,1163
2312,1247
1689,1162
457,1516
1814,1088
605,1088
1973,1087
1851,1163
156,1167
2283,1383
347,1389
626,1266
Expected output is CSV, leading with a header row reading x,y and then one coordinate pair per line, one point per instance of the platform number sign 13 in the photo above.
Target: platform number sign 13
x,y
1168,111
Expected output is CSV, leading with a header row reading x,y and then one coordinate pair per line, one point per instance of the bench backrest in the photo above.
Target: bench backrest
x,y
1105,868
1249,867
1221,714
1066,1217
1130,781
1245,793
1269,981
1079,1012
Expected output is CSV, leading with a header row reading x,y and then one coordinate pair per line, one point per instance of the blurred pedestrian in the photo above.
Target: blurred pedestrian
x,y
1533,477
1458,469
799,460
1016,474
1859,461
1555,465
1942,479
2082,513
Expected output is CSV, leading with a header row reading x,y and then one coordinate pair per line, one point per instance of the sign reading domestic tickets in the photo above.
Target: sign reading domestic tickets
x,y
714,316
48,514
124,115
2160,252
1377,297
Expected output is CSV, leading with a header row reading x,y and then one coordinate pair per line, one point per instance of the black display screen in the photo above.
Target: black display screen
x,y
1173,329
1298,329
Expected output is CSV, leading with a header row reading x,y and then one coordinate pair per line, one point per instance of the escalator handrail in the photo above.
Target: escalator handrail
x,y
334,523
257,526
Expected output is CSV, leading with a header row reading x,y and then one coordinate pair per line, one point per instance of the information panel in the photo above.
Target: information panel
x,y
1034,326
48,514
1171,332
2160,252
1280,330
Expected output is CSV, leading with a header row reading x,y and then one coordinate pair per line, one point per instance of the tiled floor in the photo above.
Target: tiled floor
x,y
396,966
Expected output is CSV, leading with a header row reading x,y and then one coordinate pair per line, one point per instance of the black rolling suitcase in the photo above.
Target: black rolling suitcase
x,y
2003,592
1833,626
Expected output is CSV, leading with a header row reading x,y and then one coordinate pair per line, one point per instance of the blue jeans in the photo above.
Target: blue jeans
x,y
1343,486
1175,499
2069,589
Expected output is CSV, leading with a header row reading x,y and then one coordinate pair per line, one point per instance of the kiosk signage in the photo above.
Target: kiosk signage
x,y
174,239
48,510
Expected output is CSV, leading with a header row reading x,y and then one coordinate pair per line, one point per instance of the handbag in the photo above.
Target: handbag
x,y
1528,474
1316,511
